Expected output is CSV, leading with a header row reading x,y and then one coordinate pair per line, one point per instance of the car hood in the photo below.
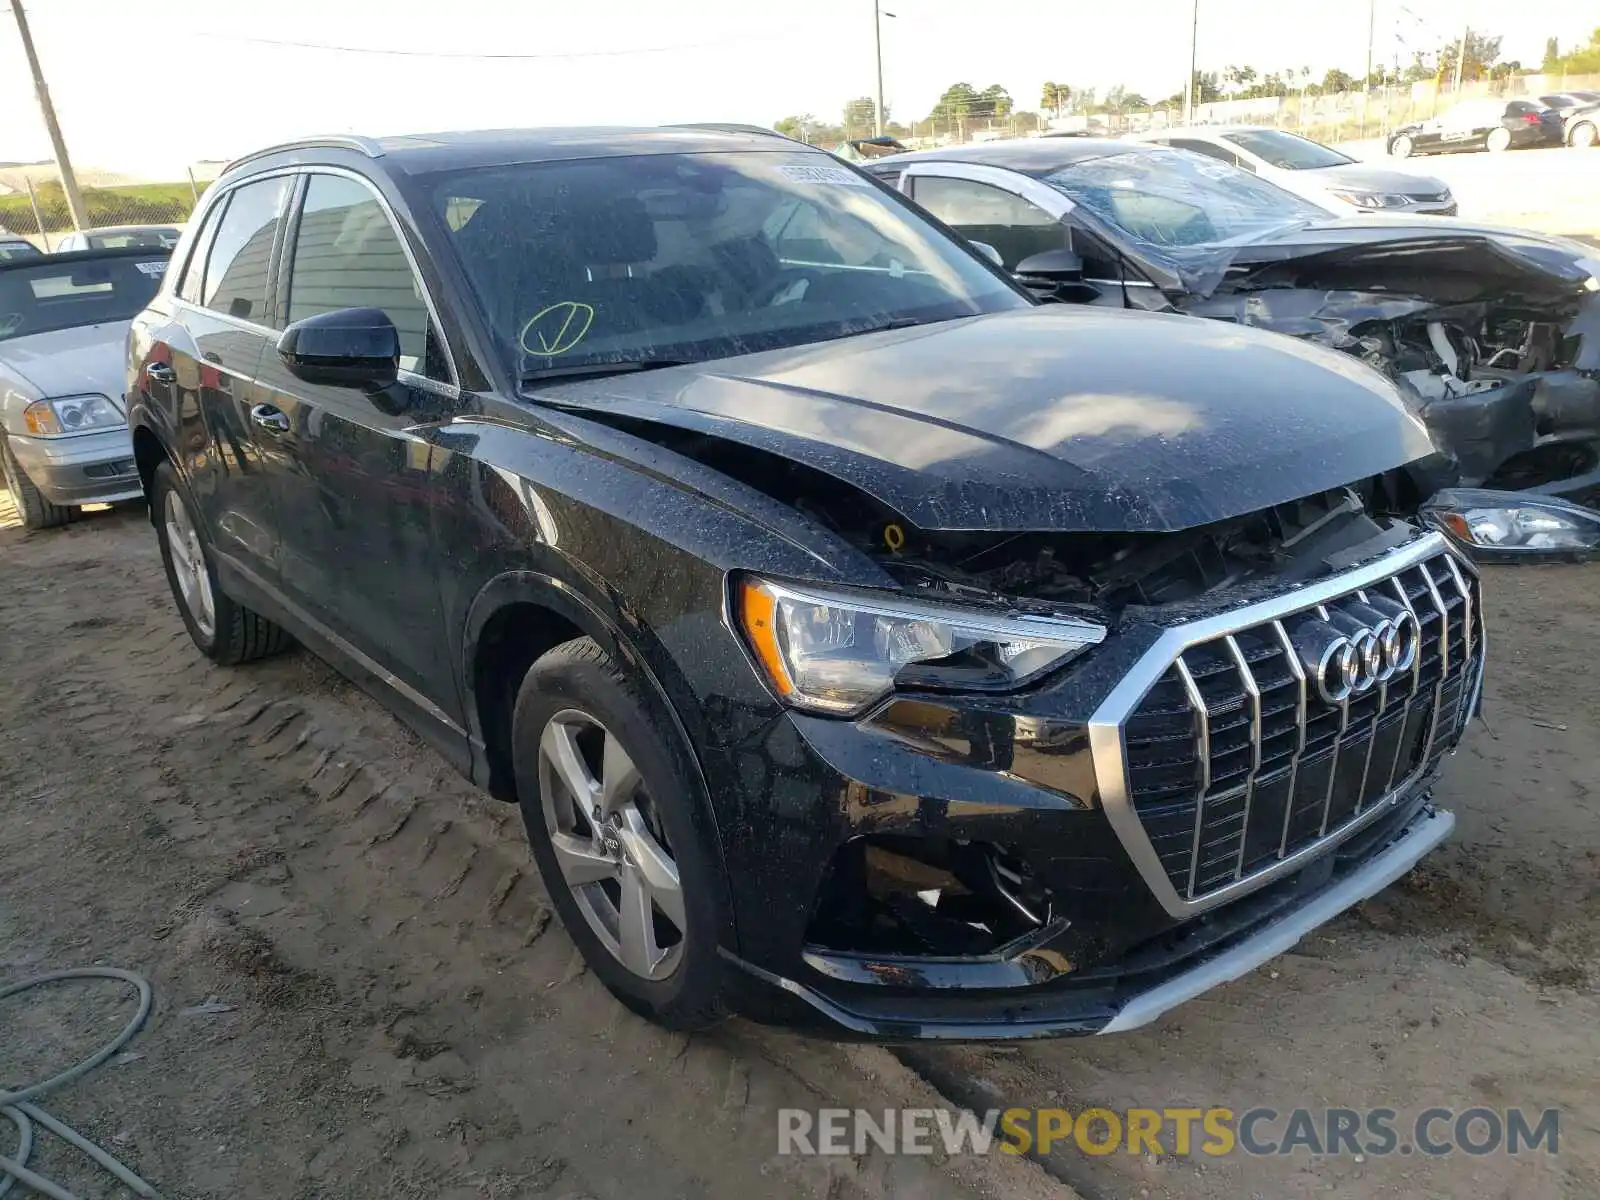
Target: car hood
x,y
1046,419
69,362
1358,177
1414,252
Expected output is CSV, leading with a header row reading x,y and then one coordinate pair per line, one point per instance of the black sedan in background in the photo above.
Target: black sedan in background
x,y
1492,335
1493,124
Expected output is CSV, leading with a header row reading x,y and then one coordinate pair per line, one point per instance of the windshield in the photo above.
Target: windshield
x,y
685,257
46,294
152,239
1168,198
1287,151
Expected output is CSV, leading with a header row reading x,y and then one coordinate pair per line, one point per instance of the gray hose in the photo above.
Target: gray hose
x,y
14,1104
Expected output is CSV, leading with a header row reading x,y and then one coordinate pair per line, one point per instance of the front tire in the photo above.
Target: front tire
x,y
1498,141
1401,147
610,804
226,632
36,512
1583,136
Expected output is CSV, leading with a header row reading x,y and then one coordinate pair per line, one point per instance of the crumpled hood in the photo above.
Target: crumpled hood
x,y
70,362
1049,419
1418,250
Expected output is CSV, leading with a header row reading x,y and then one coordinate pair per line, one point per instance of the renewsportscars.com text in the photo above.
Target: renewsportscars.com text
x,y
1259,1131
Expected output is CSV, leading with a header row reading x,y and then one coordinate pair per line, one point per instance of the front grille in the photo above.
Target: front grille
x,y
1430,197
1234,762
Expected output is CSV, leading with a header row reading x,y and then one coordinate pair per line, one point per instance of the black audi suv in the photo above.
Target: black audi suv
x,y
867,644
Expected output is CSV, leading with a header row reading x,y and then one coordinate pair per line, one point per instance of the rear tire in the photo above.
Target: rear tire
x,y
35,510
225,631
1498,141
1401,147
1583,136
603,778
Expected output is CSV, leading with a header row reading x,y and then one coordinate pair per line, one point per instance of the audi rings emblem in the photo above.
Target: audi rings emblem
x,y
1357,647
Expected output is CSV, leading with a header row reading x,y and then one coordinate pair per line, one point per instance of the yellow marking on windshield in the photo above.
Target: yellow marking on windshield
x,y
557,328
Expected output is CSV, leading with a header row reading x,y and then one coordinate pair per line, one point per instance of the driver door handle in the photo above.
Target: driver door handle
x,y
269,418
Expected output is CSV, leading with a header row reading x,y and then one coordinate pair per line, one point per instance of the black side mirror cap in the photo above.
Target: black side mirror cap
x,y
349,347
1057,266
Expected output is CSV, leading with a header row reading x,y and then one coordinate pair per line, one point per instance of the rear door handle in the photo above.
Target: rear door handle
x,y
160,372
270,418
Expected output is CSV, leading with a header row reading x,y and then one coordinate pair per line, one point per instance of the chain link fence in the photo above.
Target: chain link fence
x,y
34,205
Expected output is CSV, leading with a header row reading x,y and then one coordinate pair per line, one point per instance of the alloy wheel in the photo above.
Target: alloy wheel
x,y
1583,136
610,845
189,565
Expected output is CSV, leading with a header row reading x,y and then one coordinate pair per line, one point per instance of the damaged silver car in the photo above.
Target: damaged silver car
x,y
1492,335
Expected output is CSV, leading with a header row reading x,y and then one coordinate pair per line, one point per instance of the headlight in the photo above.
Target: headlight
x,y
1374,199
837,652
1510,525
70,414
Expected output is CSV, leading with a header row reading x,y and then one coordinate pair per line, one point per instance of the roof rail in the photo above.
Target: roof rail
x,y
729,127
335,141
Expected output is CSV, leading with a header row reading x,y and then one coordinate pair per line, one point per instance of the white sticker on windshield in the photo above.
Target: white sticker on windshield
x,y
152,268
834,176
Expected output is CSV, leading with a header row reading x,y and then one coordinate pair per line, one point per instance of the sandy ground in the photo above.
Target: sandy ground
x,y
405,1020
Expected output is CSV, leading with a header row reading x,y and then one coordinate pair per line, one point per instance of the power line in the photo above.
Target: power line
x,y
474,55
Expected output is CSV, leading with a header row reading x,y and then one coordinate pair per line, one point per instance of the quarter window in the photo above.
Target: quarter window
x,y
347,254
195,269
237,266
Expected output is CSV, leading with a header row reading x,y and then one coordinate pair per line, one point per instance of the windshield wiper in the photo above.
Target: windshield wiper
x,y
597,370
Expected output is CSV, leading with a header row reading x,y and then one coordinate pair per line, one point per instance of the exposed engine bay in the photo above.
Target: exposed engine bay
x,y
1101,574
1498,356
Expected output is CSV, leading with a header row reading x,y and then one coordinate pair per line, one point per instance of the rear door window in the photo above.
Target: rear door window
x,y
981,212
241,255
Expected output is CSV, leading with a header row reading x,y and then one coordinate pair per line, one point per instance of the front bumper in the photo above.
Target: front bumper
x,y
86,468
1148,986
842,828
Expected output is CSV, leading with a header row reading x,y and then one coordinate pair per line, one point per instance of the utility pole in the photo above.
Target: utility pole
x,y
877,48
1366,80
69,181
1461,56
1188,84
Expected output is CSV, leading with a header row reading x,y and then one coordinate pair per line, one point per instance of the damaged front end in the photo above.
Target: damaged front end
x,y
1493,341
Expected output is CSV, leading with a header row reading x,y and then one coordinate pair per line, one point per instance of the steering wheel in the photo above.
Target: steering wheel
x,y
767,296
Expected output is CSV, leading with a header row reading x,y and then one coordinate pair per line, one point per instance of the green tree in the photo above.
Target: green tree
x,y
798,126
955,106
860,117
993,103
1482,53
1338,81
1053,98
1585,60
1552,55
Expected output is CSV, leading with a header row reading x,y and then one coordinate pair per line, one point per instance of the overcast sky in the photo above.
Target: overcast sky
x,y
146,86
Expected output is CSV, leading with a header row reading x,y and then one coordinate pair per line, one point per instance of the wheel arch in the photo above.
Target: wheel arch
x,y
515,618
148,453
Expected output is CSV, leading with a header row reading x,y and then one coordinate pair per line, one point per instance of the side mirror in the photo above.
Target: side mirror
x,y
989,252
1054,266
349,347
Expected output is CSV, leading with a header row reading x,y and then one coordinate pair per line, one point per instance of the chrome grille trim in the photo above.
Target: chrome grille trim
x,y
1106,726
1299,673
1202,735
1253,691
